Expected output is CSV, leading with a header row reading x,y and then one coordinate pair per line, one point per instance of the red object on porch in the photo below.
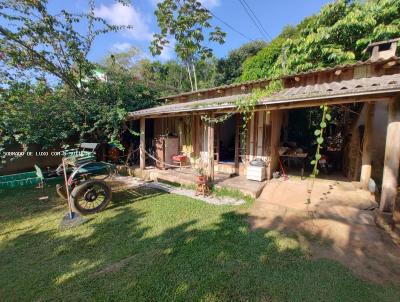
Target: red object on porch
x,y
285,177
179,158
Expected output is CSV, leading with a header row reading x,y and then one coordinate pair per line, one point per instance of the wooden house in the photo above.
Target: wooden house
x,y
368,91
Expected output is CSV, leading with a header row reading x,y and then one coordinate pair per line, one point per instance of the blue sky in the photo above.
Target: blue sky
x,y
274,15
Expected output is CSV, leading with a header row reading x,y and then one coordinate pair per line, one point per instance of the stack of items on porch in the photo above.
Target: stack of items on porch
x,y
256,170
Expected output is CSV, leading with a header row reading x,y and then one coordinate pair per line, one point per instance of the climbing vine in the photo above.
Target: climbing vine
x,y
245,106
319,133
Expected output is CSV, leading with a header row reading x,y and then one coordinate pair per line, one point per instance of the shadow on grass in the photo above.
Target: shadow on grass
x,y
18,203
127,197
121,257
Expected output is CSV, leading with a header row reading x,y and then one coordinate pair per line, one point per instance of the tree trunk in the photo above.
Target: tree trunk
x,y
195,76
190,76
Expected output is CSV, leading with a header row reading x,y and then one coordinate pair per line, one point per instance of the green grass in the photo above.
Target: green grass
x,y
218,192
236,194
153,246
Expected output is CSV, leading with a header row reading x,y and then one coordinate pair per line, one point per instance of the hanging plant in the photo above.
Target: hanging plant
x,y
319,133
245,106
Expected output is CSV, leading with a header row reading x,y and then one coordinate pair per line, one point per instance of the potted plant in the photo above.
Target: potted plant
x,y
201,175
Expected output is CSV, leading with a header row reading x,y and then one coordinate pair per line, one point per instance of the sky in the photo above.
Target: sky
x,y
273,15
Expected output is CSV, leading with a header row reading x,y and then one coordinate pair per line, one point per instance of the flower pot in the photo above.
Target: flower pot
x,y
201,179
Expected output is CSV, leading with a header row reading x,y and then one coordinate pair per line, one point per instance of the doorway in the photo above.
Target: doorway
x,y
226,140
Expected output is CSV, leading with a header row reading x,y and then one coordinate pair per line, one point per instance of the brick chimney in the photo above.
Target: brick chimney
x,y
382,50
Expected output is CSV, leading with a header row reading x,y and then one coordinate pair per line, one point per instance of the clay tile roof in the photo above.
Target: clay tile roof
x,y
314,71
354,87
332,90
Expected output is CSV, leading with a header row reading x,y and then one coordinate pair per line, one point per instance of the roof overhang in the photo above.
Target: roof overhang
x,y
355,90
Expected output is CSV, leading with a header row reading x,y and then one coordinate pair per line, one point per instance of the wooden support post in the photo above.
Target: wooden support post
x,y
367,146
142,144
210,150
276,126
237,142
260,134
392,158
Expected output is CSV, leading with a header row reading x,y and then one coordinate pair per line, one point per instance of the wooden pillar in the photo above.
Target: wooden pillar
x,y
260,134
367,145
142,144
210,150
237,141
276,126
392,157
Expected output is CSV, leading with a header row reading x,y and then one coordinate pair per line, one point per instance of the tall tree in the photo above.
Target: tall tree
x,y
38,46
186,21
337,35
230,68
35,43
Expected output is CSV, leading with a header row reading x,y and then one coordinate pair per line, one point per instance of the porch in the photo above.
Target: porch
x,y
205,127
188,177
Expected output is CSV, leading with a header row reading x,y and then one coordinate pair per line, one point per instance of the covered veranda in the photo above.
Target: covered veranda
x,y
337,86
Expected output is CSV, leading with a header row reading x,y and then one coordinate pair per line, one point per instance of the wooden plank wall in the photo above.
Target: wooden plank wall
x,y
188,129
258,140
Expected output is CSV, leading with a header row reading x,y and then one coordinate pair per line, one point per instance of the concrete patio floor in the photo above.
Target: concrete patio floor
x,y
335,219
222,180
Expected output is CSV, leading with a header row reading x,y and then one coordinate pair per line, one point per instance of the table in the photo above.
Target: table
x,y
299,157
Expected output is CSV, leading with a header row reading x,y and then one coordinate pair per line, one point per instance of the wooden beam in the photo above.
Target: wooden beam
x,y
367,145
210,150
142,144
238,120
289,105
276,125
392,158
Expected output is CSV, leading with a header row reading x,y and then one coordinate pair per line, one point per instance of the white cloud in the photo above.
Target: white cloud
x,y
206,3
210,3
167,53
121,47
119,14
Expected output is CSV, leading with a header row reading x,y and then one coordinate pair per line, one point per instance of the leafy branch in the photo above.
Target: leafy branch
x,y
37,44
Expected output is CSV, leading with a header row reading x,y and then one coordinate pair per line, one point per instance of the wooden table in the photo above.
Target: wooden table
x,y
299,157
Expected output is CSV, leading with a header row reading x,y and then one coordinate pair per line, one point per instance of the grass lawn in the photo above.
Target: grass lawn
x,y
153,246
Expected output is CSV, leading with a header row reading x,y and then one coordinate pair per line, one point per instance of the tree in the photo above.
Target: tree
x,y
26,108
169,77
37,44
47,116
337,35
37,47
269,61
230,68
122,60
110,102
186,21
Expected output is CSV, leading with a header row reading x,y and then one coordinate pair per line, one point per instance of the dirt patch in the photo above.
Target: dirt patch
x,y
339,226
